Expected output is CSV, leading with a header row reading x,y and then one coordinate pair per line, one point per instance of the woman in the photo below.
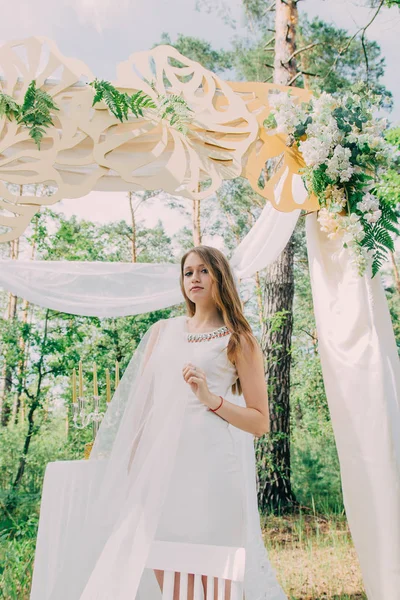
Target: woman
x,y
173,459
205,503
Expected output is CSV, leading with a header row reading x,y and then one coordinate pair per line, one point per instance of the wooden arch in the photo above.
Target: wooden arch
x,y
89,149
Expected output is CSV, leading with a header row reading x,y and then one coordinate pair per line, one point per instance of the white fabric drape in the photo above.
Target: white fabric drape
x,y
119,289
264,242
93,288
362,380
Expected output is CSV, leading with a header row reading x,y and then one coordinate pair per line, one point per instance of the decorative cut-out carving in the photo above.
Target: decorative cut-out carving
x,y
89,149
279,188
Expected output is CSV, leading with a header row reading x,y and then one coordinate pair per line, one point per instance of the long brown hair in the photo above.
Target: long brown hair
x,y
226,299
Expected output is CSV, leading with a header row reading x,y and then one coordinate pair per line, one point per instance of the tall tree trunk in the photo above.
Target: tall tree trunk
x,y
11,501
259,297
7,371
273,450
23,345
395,272
133,224
196,223
21,363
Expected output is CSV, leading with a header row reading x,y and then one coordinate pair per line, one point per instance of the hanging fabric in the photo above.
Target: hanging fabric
x,y
119,289
361,373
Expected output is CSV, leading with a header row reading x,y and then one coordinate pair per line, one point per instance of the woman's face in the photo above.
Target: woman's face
x,y
196,279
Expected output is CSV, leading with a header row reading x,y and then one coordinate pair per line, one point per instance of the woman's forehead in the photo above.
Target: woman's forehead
x,y
193,260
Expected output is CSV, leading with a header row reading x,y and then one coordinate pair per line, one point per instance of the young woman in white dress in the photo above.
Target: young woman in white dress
x,y
173,459
205,501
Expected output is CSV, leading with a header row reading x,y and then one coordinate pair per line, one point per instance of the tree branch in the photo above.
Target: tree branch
x,y
272,39
363,30
294,78
303,50
315,339
365,55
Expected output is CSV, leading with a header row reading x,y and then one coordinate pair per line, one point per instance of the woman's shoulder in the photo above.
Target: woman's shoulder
x,y
249,347
163,323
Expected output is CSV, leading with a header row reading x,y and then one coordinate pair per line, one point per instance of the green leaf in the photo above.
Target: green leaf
x,y
9,107
35,112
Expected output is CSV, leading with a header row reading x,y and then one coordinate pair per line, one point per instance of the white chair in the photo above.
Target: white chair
x,y
221,562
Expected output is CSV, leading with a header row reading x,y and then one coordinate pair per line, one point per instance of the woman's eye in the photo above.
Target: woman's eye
x,y
190,272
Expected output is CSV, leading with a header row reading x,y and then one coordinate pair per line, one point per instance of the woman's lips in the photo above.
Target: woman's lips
x,y
196,288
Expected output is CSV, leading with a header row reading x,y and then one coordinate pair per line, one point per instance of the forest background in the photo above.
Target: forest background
x,y
299,488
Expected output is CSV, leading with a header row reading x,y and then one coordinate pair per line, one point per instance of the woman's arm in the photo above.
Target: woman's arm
x,y
154,336
255,417
153,339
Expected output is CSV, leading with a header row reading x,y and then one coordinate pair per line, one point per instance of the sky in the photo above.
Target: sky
x,y
103,33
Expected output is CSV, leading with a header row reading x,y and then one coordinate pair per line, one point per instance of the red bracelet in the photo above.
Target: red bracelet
x,y
215,409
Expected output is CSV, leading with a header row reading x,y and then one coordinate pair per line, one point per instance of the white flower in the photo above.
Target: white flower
x,y
374,216
335,198
360,258
315,152
339,166
326,130
371,135
288,114
330,223
350,230
324,105
353,229
369,205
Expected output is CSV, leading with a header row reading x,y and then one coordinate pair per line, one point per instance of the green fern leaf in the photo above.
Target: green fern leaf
x,y
9,107
35,112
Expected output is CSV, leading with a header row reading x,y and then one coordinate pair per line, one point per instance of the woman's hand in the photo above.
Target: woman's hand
x,y
197,380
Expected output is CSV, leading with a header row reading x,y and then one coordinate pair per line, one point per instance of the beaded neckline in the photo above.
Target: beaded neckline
x,y
210,335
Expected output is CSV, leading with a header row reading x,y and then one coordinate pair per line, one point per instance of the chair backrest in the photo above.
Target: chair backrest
x,y
220,562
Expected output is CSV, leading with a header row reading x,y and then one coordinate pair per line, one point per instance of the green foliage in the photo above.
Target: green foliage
x,y
120,103
316,473
378,239
388,186
200,51
9,107
343,173
336,71
253,56
174,109
35,112
170,107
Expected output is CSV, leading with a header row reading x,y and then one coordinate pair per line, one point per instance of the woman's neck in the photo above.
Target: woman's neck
x,y
206,318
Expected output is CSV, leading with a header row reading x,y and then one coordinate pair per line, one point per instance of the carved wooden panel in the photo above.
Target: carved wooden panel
x,y
90,149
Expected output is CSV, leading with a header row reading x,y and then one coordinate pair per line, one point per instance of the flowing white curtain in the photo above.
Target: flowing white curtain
x,y
362,381
119,289
93,288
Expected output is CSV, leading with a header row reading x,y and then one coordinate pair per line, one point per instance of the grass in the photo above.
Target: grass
x,y
312,554
314,557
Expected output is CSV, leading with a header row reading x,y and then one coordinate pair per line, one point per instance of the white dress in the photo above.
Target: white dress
x,y
205,502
